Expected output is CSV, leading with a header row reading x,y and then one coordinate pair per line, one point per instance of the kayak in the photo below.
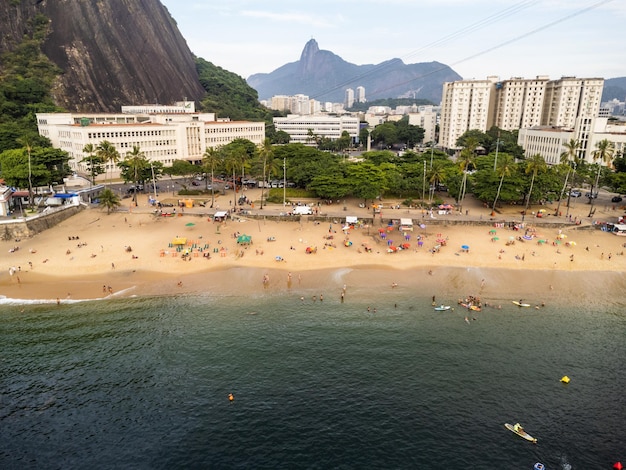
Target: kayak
x,y
520,432
520,305
442,308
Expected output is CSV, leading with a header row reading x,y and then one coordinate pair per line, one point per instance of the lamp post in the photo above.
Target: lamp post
x,y
424,183
495,162
284,181
153,180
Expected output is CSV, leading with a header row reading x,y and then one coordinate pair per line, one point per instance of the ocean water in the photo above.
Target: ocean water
x,y
144,383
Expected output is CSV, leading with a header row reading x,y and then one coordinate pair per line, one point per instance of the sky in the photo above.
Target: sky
x,y
476,38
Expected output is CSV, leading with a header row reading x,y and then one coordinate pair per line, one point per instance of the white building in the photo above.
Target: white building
x,y
547,141
426,118
348,101
465,104
300,127
161,137
518,103
550,141
360,94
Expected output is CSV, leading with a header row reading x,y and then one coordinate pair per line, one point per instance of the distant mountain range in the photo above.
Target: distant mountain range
x,y
325,76
614,88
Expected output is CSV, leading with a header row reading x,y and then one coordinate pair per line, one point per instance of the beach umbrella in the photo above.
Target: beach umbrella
x,y
179,241
493,231
495,239
189,224
406,246
244,239
465,247
562,235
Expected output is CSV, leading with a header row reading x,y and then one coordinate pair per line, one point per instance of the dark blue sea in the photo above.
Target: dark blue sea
x,y
143,383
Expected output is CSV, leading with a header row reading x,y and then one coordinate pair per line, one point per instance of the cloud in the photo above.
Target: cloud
x,y
302,18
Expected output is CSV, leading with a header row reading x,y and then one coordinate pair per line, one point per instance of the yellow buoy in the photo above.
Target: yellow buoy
x,y
231,397
565,379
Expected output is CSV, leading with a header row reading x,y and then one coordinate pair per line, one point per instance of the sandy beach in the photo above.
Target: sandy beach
x,y
95,255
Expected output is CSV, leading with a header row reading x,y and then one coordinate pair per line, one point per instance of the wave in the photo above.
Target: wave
x,y
4,300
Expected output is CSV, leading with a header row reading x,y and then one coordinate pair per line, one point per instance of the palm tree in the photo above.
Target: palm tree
x,y
604,153
504,168
232,161
266,150
568,157
435,176
211,158
108,153
535,164
90,150
136,161
466,160
109,199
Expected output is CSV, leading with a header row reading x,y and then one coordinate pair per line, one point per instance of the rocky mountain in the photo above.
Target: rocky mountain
x,y
325,76
110,53
614,88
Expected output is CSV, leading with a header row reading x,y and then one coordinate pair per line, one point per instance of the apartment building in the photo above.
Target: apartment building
x,y
519,102
161,137
360,94
300,127
348,101
465,104
566,103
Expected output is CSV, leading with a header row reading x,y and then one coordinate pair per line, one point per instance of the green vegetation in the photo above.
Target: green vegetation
x,y
390,102
26,78
228,95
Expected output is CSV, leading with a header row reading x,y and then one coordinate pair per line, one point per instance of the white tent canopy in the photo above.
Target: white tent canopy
x,y
351,219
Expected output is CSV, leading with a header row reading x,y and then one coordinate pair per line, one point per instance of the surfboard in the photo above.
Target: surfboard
x,y
520,305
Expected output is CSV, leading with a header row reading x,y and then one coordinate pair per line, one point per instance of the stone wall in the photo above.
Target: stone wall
x,y
25,228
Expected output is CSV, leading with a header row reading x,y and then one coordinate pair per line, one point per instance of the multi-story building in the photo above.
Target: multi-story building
x,y
301,128
519,103
348,101
567,103
426,118
161,137
549,141
360,94
465,104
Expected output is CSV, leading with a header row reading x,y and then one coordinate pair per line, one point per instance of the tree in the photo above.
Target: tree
x,y
535,164
367,180
436,175
506,164
109,199
25,141
385,134
210,160
109,154
568,157
266,150
136,162
466,161
94,163
234,158
604,154
281,137
183,168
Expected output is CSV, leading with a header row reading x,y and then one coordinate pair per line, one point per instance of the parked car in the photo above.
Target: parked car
x,y
575,193
591,196
616,199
